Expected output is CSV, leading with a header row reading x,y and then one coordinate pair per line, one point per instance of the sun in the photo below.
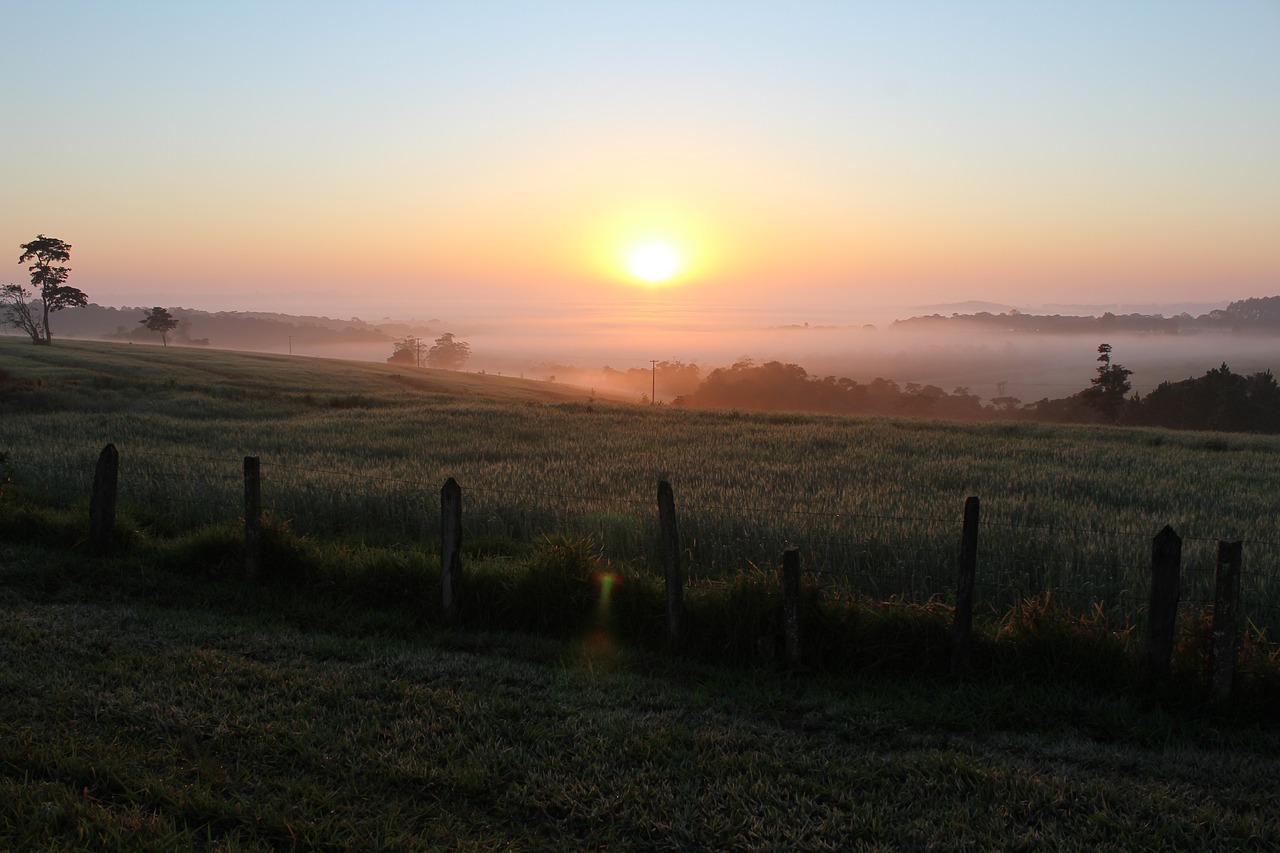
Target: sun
x,y
654,261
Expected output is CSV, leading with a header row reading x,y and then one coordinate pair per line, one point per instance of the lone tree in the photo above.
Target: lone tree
x,y
1106,390
448,353
160,320
48,281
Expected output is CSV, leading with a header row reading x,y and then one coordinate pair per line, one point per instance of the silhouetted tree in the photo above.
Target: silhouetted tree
x,y
406,351
15,305
1107,389
448,352
48,280
1005,404
160,320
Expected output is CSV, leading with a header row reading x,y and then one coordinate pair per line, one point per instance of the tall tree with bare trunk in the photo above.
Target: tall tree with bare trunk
x,y
49,283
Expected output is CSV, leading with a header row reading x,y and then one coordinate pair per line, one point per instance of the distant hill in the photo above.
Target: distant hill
x,y
247,330
70,365
972,306
1259,315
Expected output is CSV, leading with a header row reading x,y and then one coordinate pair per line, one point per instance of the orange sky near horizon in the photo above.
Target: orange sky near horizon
x,y
415,162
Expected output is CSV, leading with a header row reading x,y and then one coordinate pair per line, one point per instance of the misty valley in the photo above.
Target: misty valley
x,y
1211,371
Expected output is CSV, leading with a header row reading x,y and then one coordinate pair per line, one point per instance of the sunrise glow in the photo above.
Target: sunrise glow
x,y
653,262
777,165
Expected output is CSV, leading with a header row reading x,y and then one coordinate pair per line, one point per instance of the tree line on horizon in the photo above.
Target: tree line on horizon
x,y
1253,315
1220,400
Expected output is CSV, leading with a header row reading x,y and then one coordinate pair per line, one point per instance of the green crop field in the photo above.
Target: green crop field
x,y
360,451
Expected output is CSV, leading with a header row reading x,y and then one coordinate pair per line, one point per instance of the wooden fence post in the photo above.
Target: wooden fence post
x,y
962,631
1162,612
451,550
791,606
671,564
102,503
1226,612
252,517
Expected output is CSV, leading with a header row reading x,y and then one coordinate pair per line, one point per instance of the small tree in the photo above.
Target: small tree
x,y
448,352
160,320
48,280
15,305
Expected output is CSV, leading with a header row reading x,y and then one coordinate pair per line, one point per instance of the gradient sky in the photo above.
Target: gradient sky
x,y
423,159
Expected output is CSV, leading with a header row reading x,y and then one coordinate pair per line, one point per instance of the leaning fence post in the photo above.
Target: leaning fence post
x,y
962,631
102,503
791,606
671,564
1162,612
1226,612
252,517
451,549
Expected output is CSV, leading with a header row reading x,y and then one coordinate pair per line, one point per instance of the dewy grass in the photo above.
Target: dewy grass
x,y
244,723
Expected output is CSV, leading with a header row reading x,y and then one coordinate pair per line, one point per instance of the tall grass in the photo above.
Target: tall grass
x,y
359,451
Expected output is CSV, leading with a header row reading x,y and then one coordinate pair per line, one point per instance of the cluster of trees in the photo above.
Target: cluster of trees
x,y
1219,400
663,379
774,386
447,353
29,310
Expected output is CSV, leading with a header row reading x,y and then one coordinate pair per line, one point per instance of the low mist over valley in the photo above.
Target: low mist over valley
x,y
993,351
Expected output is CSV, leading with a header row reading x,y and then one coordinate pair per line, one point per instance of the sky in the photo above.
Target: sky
x,y
799,158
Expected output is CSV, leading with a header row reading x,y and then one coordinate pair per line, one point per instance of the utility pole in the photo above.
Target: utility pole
x,y
290,344
653,382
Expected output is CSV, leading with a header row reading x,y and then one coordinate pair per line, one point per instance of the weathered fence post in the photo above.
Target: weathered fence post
x,y
791,606
252,517
102,503
1226,612
451,549
1162,612
671,564
962,631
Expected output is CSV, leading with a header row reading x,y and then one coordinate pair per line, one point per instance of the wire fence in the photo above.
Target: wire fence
x,y
906,558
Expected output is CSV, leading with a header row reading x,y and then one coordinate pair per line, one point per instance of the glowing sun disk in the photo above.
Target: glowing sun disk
x,y
653,262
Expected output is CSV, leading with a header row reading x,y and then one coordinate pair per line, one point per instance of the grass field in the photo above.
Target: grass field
x,y
155,701
161,710
360,451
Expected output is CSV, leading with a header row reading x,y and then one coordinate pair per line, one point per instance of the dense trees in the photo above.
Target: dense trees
x,y
774,386
448,352
407,350
49,290
160,320
1219,400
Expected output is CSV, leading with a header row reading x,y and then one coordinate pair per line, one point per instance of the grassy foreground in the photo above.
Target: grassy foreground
x,y
153,709
151,700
